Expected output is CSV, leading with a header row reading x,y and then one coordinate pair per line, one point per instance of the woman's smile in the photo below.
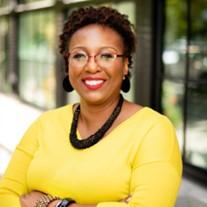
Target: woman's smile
x,y
93,83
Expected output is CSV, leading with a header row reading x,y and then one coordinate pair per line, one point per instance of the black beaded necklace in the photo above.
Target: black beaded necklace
x,y
94,138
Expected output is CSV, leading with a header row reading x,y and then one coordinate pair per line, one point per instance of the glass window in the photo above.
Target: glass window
x,y
128,8
198,42
4,86
37,58
196,143
172,103
174,60
174,55
3,3
29,1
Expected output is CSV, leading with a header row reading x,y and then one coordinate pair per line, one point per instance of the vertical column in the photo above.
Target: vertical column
x,y
12,49
186,78
60,71
157,69
144,53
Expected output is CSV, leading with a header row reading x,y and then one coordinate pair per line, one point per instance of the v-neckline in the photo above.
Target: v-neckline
x,y
120,125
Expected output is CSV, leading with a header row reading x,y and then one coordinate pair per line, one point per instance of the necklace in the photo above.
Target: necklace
x,y
94,138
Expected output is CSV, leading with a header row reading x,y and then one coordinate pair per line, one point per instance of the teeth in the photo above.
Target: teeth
x,y
93,82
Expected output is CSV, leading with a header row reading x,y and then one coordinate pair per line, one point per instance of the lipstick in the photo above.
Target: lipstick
x,y
93,83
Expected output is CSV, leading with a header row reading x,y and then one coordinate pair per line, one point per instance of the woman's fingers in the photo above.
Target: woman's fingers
x,y
126,200
30,199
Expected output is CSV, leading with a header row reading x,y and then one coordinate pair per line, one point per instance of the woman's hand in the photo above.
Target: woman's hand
x,y
126,200
29,200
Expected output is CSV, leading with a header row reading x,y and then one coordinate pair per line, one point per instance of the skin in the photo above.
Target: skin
x,y
96,105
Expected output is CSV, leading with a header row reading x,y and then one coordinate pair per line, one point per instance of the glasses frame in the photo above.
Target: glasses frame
x,y
116,55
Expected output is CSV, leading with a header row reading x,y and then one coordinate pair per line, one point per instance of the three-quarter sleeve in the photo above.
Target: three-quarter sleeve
x,y
13,184
156,171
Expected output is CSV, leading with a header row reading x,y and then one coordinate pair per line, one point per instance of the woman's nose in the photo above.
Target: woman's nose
x,y
91,65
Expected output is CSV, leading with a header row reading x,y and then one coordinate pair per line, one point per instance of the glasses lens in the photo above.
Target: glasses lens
x,y
78,59
105,58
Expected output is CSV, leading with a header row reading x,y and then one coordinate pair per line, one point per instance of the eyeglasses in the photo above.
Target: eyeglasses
x,y
105,58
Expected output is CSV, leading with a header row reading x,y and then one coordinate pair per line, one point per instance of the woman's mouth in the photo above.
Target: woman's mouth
x,y
93,84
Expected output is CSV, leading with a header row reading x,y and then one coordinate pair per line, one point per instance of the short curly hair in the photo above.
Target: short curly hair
x,y
105,16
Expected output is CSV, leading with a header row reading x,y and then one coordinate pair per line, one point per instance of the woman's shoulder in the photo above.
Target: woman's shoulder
x,y
62,112
144,114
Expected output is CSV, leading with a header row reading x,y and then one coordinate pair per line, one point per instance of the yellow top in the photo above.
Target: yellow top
x,y
140,158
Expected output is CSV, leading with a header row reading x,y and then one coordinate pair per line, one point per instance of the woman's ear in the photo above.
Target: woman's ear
x,y
126,67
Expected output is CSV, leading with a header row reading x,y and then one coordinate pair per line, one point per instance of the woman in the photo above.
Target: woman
x,y
104,151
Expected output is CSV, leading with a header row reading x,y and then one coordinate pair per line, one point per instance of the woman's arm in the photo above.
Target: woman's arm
x,y
13,183
156,169
31,198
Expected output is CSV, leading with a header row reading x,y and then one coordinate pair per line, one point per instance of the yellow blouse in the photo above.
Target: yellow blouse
x,y
140,158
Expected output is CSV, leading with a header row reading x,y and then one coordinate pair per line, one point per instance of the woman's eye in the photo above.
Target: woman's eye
x,y
79,56
107,56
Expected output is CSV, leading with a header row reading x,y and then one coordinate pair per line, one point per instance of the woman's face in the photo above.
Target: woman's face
x,y
97,79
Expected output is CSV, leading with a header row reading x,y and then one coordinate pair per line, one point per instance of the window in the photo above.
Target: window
x,y
186,53
196,134
3,3
28,1
174,59
37,58
4,74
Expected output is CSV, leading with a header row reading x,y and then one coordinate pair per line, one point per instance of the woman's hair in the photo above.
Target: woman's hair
x,y
105,16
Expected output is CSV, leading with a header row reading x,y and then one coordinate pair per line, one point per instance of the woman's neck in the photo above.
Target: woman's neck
x,y
93,116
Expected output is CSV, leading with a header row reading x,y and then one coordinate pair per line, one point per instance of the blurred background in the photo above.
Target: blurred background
x,y
169,73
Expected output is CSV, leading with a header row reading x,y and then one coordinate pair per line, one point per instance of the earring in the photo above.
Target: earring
x,y
67,85
125,87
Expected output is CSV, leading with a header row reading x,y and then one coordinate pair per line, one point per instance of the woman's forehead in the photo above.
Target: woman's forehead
x,y
96,35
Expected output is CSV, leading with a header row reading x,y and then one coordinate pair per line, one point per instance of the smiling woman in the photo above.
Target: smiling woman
x,y
97,78
104,151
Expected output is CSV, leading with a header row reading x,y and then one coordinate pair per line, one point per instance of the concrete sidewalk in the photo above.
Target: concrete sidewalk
x,y
15,117
191,194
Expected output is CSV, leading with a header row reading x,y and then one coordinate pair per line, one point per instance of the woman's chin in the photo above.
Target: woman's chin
x,y
94,98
